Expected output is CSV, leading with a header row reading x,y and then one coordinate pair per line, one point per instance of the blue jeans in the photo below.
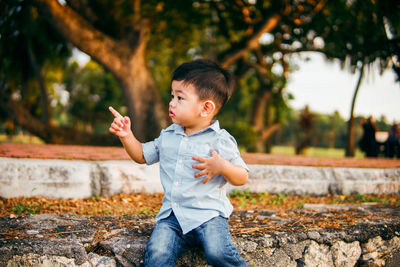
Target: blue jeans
x,y
167,242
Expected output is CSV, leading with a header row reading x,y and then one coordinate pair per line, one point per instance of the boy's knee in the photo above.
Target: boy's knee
x,y
156,252
214,257
225,257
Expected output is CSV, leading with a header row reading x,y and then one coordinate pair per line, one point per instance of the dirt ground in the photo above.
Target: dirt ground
x,y
72,152
132,204
149,204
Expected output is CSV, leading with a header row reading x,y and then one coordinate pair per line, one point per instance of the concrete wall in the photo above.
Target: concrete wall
x,y
82,179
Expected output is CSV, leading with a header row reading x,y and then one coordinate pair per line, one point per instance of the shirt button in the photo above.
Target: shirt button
x,y
176,183
180,161
185,138
175,205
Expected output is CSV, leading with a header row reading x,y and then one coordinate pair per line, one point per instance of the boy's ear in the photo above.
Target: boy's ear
x,y
208,108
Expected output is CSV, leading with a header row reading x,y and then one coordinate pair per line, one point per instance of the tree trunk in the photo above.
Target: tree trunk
x,y
145,108
43,90
260,120
125,60
350,144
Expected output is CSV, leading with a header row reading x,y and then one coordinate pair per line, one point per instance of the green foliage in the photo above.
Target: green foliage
x,y
147,211
95,198
184,30
24,208
346,28
27,42
245,196
90,91
361,198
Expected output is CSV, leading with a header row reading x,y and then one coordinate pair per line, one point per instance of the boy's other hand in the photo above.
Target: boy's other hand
x,y
121,126
209,166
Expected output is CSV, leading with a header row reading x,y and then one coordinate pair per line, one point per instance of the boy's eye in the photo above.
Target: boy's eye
x,y
179,97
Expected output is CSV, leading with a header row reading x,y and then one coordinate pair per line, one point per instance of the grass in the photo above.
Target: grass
x,y
314,152
21,138
362,198
24,208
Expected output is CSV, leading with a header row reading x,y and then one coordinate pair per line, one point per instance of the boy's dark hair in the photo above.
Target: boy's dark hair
x,y
209,79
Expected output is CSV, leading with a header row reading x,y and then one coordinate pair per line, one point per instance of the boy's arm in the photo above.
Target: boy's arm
x,y
121,127
234,174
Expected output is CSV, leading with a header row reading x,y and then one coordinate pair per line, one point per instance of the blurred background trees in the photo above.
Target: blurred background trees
x,y
135,45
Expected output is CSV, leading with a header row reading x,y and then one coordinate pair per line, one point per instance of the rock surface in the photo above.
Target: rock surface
x,y
369,237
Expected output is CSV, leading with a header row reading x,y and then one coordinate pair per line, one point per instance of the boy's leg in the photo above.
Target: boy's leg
x,y
165,244
215,238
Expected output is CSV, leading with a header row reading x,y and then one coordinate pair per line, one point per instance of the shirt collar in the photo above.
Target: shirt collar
x,y
180,130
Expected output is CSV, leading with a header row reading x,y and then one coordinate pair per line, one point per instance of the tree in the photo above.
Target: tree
x,y
116,35
355,33
243,24
30,51
90,27
132,39
90,87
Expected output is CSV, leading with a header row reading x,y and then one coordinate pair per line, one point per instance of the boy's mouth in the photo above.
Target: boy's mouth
x,y
171,114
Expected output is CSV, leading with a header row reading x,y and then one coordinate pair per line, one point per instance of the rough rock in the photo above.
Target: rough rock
x,y
262,238
345,254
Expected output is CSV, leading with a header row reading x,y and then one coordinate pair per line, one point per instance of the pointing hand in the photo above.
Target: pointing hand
x,y
121,126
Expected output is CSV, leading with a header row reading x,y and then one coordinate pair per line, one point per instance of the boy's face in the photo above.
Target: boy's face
x,y
185,107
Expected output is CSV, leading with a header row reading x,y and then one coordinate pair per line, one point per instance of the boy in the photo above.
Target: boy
x,y
195,208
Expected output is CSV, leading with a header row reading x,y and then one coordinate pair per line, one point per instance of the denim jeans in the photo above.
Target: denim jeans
x,y
167,242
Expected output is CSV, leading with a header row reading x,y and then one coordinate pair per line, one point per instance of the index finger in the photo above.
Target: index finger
x,y
114,112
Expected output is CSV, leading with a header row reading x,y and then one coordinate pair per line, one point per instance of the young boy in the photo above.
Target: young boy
x,y
195,208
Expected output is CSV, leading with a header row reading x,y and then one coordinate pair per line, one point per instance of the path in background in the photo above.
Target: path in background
x,y
92,153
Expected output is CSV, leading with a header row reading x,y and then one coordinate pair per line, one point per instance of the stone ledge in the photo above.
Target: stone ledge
x,y
67,240
81,179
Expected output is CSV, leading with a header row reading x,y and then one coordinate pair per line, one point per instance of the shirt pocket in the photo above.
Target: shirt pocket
x,y
168,150
197,150
201,150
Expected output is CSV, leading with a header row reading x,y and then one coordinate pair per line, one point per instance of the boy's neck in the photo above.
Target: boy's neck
x,y
198,127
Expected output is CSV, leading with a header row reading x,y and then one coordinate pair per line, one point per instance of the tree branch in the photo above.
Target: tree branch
x,y
270,130
50,133
83,35
252,42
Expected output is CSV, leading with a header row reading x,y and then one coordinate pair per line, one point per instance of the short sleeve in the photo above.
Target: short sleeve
x,y
151,151
228,149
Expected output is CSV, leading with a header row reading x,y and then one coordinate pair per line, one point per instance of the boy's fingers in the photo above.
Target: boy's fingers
x,y
114,112
198,159
117,123
200,173
112,130
198,166
214,153
208,178
115,127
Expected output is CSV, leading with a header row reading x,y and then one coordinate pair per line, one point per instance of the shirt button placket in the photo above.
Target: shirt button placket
x,y
178,171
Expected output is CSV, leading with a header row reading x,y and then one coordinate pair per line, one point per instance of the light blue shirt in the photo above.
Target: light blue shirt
x,y
192,202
